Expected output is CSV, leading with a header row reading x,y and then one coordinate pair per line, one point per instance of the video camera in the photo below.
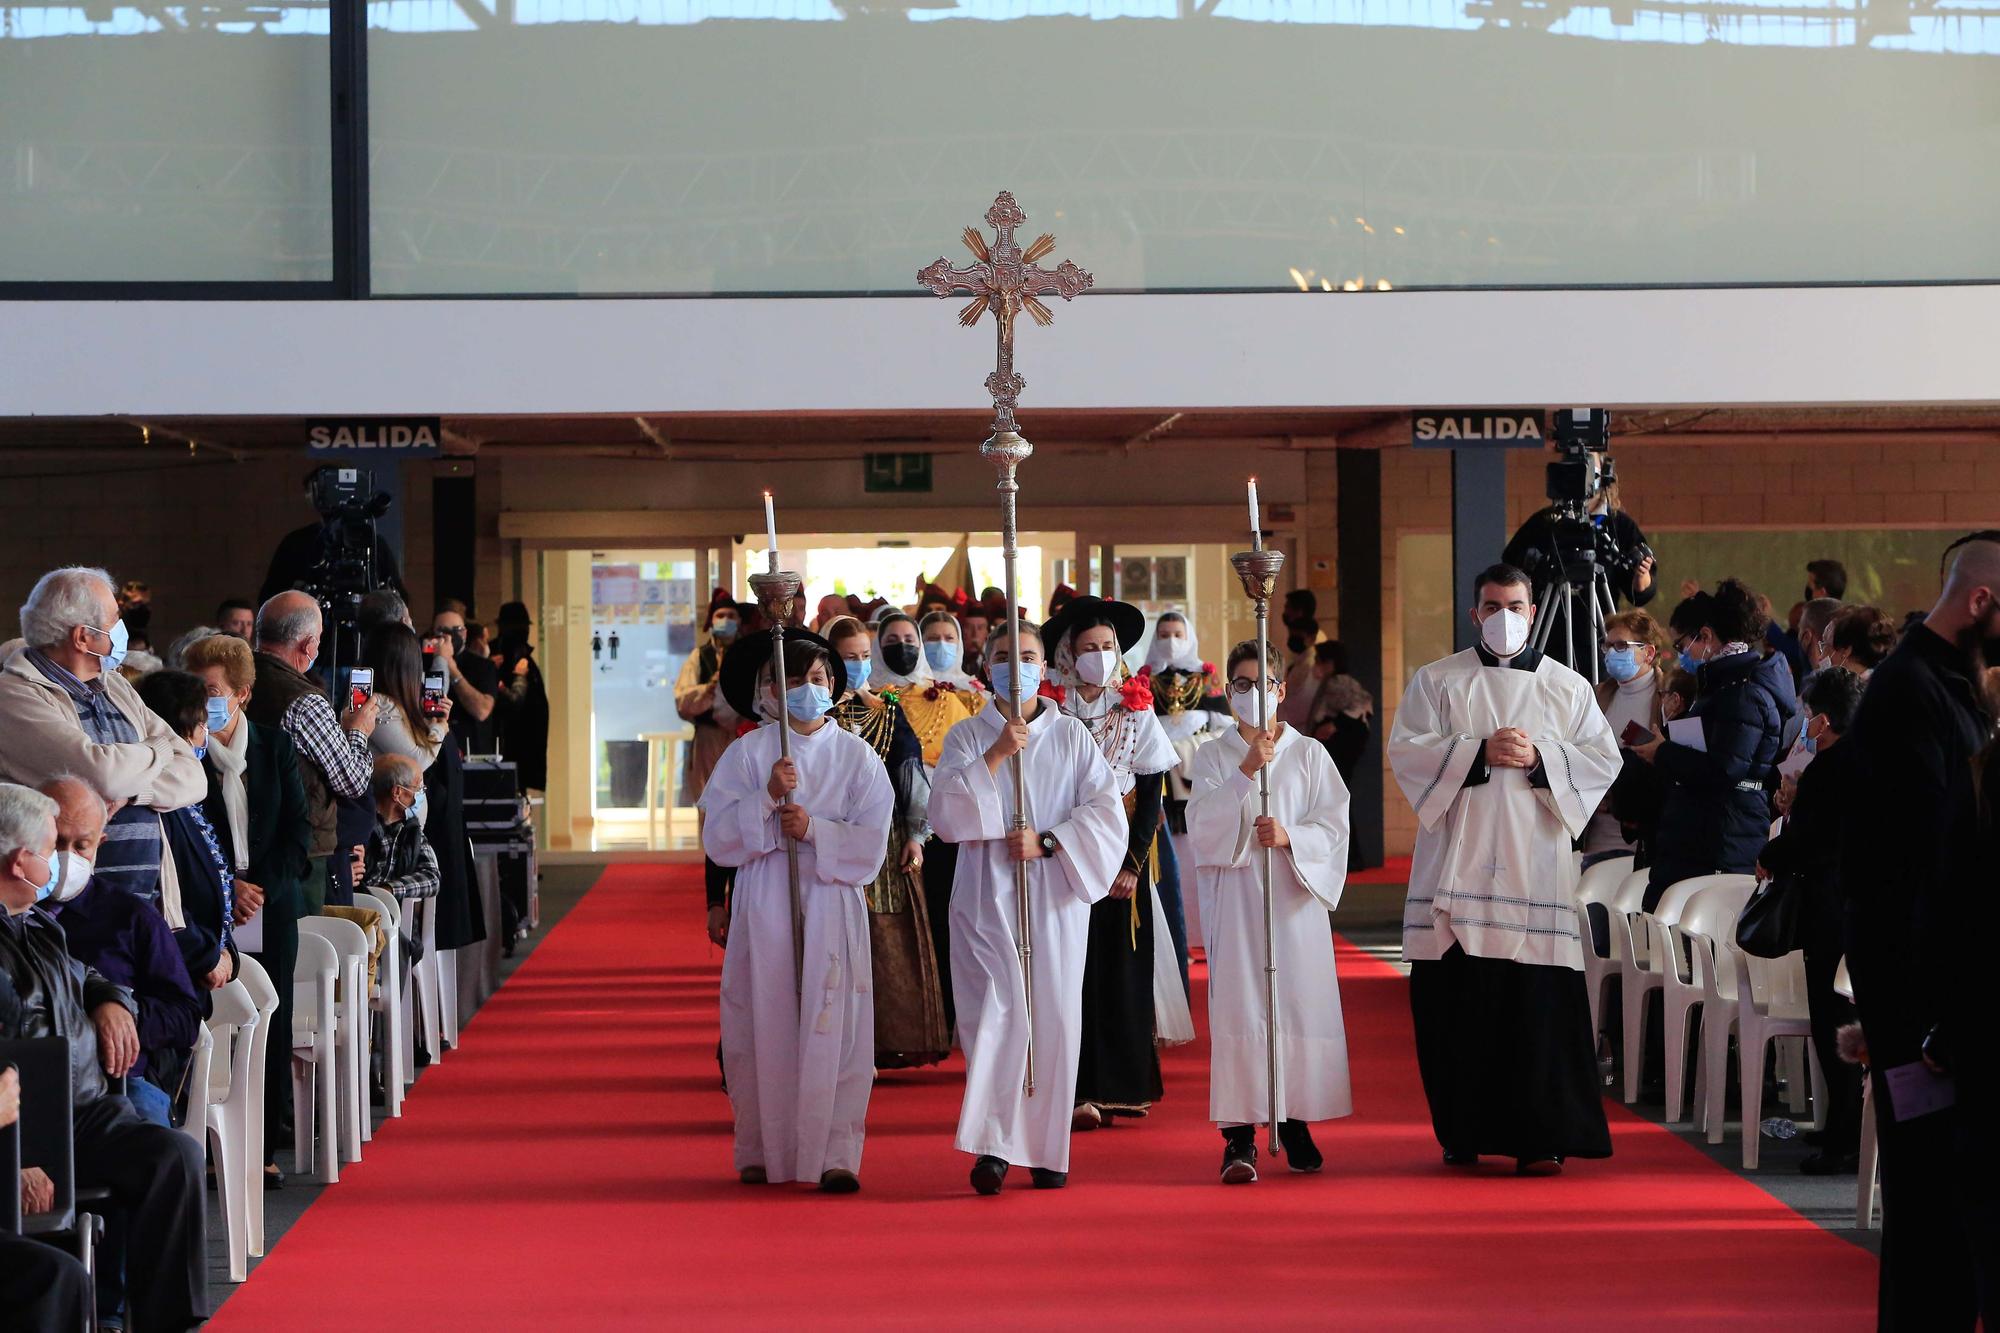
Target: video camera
x,y
1583,471
348,506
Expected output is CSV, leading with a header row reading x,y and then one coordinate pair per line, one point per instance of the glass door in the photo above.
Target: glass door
x,y
643,626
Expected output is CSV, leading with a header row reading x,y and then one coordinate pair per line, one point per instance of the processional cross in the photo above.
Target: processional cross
x,y
1007,280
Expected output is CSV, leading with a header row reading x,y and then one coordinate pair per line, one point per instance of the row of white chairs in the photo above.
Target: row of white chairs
x,y
1685,949
330,1055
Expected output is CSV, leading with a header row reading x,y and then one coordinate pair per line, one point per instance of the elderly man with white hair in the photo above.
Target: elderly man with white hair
x,y
153,1172
65,709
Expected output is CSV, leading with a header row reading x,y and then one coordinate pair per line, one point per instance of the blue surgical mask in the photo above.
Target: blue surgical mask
x,y
120,639
218,712
808,701
943,655
1808,744
1622,664
421,806
724,629
1689,662
857,674
201,751
46,890
1002,674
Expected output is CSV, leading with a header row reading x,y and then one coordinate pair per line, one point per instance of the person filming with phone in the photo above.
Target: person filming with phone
x,y
334,759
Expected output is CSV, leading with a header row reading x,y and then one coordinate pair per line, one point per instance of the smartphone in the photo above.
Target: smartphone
x,y
1634,734
434,687
360,686
432,644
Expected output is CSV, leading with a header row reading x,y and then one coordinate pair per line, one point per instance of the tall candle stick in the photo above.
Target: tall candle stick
x,y
1256,524
771,530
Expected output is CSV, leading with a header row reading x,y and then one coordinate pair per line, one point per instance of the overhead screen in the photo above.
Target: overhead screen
x,y
782,146
808,146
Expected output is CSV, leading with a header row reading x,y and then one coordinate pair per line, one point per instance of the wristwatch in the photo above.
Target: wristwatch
x,y
1049,844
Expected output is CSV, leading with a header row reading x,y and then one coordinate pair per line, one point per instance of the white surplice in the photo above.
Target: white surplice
x,y
1309,801
1072,794
799,1068
1493,869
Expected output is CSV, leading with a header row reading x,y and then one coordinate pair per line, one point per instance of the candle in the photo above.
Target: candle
x,y
771,529
1256,524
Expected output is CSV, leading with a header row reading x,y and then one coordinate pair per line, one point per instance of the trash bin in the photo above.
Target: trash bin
x,y
628,773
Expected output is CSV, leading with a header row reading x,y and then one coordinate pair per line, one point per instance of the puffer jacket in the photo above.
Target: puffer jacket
x,y
1717,815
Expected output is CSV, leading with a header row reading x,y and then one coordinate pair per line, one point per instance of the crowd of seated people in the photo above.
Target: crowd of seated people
x,y
161,819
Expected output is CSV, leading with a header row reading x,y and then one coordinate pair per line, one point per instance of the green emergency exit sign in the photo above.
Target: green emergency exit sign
x,y
896,474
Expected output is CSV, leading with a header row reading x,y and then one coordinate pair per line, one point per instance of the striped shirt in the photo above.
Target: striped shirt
x,y
129,856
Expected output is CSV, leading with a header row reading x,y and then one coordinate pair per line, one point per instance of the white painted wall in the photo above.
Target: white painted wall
x,y
1618,348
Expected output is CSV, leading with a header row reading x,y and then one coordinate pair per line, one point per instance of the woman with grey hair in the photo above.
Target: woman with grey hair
x,y
176,659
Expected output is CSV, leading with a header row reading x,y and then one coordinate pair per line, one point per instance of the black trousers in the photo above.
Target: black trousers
x,y
154,1175
1830,1011
283,909
41,1288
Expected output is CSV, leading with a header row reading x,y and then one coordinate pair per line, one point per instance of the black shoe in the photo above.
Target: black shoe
x,y
838,1181
988,1174
1239,1159
1538,1166
1453,1157
274,1179
1301,1153
753,1175
1046,1179
1830,1164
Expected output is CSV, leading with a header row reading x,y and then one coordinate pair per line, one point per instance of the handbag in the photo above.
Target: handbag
x,y
1769,925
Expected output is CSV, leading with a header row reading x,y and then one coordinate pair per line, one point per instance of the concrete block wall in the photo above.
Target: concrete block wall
x,y
197,532
1954,487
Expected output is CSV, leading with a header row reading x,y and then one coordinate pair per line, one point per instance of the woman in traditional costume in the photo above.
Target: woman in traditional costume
x,y
1129,999
1188,699
910,1023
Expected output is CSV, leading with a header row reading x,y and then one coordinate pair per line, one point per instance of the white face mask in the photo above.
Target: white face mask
x,y
1244,705
1505,633
76,873
1097,668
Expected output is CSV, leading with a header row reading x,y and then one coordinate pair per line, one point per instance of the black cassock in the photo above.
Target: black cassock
x,y
1507,1058
460,920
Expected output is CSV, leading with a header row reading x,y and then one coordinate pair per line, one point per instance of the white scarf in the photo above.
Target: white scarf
x,y
230,758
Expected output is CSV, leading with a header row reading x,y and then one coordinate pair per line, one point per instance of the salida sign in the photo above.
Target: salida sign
x,y
384,438
1454,428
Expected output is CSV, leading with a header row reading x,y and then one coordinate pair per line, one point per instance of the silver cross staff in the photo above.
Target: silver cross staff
x,y
1258,569
1007,280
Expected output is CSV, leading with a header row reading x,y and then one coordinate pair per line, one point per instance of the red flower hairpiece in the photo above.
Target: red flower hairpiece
x,y
1137,695
1053,691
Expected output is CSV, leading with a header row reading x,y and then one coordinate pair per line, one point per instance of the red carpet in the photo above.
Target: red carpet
x,y
569,1169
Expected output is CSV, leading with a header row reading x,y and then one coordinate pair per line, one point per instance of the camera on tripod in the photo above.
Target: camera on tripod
x,y
348,506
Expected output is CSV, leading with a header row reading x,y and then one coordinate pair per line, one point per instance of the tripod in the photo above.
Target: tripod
x,y
1557,597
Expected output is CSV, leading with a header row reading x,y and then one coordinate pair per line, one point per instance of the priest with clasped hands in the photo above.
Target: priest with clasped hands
x,y
1504,754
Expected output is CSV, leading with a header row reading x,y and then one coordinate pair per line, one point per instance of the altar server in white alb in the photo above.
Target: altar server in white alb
x,y
799,1060
1073,847
1504,754
1307,832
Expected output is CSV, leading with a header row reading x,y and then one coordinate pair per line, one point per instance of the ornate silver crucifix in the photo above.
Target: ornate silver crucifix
x,y
1007,280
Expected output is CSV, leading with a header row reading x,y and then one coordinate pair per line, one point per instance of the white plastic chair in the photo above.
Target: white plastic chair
x,y
1682,989
1708,924
1598,885
427,978
350,1008
315,1078
1868,1172
388,1000
1637,976
1770,1007
232,1026
265,996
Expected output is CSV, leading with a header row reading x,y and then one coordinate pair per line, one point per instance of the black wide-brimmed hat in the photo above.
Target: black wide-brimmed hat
x,y
1127,621
744,665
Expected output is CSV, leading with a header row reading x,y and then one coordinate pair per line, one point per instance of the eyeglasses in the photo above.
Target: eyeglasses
x,y
1245,684
1618,645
